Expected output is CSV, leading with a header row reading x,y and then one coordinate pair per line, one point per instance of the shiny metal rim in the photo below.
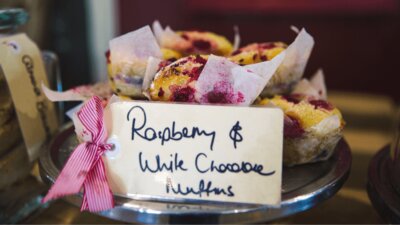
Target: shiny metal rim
x,y
130,210
12,18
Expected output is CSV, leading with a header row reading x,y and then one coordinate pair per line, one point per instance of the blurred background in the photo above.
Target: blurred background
x,y
357,46
357,41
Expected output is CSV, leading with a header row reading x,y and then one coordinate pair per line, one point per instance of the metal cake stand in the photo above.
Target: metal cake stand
x,y
302,188
382,188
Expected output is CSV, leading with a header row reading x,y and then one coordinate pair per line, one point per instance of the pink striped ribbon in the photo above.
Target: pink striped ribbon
x,y
85,166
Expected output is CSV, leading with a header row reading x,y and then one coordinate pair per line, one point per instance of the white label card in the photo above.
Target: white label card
x,y
218,153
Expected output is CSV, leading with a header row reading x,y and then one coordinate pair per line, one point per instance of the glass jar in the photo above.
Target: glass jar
x,y
13,156
23,191
14,162
11,19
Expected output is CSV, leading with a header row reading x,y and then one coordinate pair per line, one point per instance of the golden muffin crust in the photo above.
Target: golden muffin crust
x,y
170,55
307,112
257,52
176,82
201,42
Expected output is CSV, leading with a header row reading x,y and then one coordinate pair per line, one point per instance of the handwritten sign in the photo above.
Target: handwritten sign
x,y
22,66
221,153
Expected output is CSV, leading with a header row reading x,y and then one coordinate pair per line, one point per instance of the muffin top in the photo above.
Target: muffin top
x,y
200,42
257,52
301,112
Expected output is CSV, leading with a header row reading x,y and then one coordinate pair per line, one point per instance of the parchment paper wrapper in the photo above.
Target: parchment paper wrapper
x,y
231,83
167,38
292,68
314,88
236,38
151,70
80,93
129,54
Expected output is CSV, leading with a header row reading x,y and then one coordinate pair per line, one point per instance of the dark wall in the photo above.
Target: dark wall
x,y
68,38
358,47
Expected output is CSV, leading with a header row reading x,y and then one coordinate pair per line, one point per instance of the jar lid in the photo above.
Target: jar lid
x,y
12,18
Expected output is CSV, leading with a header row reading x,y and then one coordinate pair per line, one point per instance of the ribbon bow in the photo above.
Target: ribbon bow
x,y
85,166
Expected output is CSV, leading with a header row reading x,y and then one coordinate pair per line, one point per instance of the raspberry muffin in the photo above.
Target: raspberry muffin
x,y
128,79
312,128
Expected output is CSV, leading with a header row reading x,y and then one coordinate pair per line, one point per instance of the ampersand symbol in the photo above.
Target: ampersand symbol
x,y
235,135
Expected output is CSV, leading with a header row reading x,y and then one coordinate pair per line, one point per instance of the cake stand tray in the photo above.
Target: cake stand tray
x,y
302,188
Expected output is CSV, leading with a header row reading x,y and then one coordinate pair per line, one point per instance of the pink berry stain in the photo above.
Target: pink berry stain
x,y
223,93
236,52
184,36
160,92
163,64
267,45
199,59
182,94
108,55
321,104
294,98
201,45
292,128
195,72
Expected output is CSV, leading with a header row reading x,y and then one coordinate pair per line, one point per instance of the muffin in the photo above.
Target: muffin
x,y
312,128
210,79
127,79
260,52
292,68
127,60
